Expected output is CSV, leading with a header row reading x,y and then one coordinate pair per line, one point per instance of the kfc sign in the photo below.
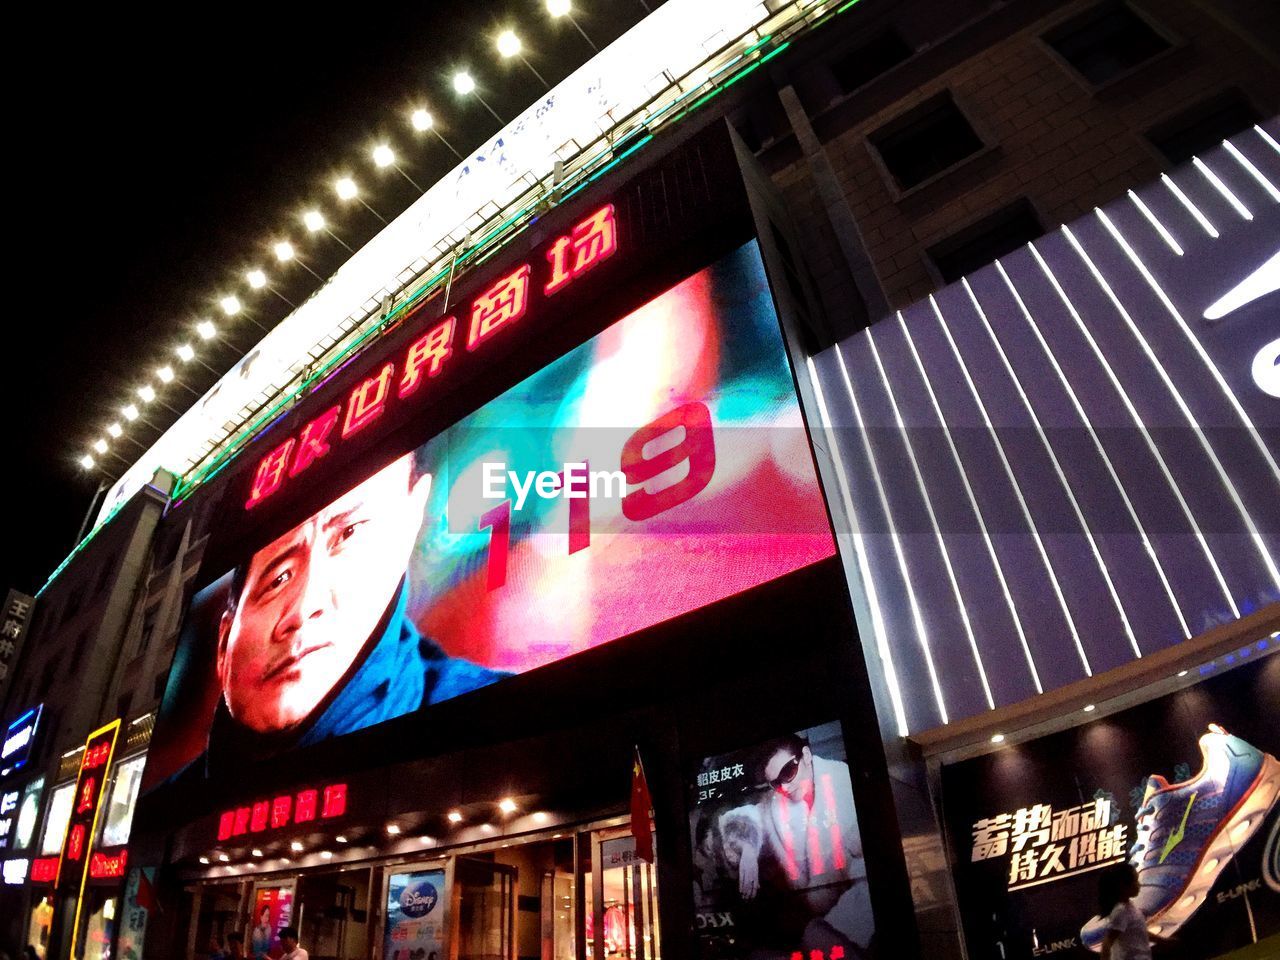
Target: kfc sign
x,y
492,312
302,807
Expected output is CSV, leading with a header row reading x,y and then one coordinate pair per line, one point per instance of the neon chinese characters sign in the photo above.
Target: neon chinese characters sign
x,y
324,803
495,310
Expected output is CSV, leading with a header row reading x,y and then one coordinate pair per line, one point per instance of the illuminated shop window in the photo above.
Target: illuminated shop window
x,y
1106,42
55,823
124,793
1203,125
925,141
980,243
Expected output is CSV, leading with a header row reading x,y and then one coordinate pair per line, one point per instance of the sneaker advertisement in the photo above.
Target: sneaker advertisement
x,y
1183,789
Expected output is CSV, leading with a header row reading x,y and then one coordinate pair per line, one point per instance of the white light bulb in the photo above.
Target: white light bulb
x,y
422,120
230,305
257,279
100,445
284,251
558,8
115,430
314,220
463,83
130,412
346,188
86,462
507,805
147,393
508,43
383,156
165,374
185,353
206,330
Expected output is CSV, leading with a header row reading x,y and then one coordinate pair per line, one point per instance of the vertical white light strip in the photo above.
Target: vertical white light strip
x,y
864,566
1253,171
916,616
933,519
1160,228
1097,442
1267,137
1209,228
1221,187
1195,343
1182,405
1142,427
977,511
1017,489
1057,469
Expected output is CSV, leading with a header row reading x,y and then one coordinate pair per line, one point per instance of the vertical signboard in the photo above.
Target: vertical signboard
x,y
95,766
14,620
18,738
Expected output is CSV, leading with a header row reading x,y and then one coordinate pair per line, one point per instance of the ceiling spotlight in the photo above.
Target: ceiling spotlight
x,y
487,827
558,8
206,330
346,188
224,858
314,220
100,445
327,855
284,251
165,374
997,738
1089,708
185,353
340,838
393,829
540,817
383,155
296,846
86,462
257,279
257,852
455,816
115,429
130,412
204,860
147,393
508,43
463,83
230,305
1182,673
507,805
422,120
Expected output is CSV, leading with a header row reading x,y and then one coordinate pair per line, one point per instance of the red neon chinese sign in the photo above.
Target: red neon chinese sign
x,y
492,312
323,803
44,870
95,767
104,866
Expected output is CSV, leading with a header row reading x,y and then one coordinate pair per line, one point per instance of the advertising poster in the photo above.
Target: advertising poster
x,y
415,916
139,902
778,864
1183,788
272,910
658,467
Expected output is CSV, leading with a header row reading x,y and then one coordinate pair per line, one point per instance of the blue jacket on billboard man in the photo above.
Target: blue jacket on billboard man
x,y
315,640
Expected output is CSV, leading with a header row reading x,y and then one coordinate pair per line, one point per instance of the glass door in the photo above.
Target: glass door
x,y
484,895
623,921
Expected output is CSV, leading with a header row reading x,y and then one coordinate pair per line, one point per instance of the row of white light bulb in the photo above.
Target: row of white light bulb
x,y
508,45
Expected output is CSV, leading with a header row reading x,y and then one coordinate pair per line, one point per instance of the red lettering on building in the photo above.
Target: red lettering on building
x,y
592,240
96,756
75,842
44,870
503,303
242,821
304,807
88,793
281,811
270,474
226,824
307,805
260,817
335,801
367,401
429,351
313,442
108,867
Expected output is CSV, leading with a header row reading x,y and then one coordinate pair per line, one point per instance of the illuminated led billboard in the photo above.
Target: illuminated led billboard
x,y
658,467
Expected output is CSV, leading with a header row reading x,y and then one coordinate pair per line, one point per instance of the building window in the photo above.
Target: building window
x,y
1106,42
926,141
980,243
859,66
56,819
124,794
1203,125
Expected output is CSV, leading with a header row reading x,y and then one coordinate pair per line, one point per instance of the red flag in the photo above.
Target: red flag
x,y
641,803
146,894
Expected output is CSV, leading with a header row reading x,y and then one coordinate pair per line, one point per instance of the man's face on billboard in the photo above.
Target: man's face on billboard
x,y
312,598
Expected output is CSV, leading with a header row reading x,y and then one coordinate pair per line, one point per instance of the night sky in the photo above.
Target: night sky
x,y
159,158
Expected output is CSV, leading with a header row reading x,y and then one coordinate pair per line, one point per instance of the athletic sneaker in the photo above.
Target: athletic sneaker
x,y
1188,832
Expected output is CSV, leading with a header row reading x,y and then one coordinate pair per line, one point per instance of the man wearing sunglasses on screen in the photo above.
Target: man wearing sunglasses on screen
x,y
809,845
315,640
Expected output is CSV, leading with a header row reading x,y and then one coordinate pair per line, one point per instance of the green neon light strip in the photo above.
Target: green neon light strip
x,y
488,245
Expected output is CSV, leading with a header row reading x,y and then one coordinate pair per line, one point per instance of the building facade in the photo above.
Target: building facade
x,y
780,537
